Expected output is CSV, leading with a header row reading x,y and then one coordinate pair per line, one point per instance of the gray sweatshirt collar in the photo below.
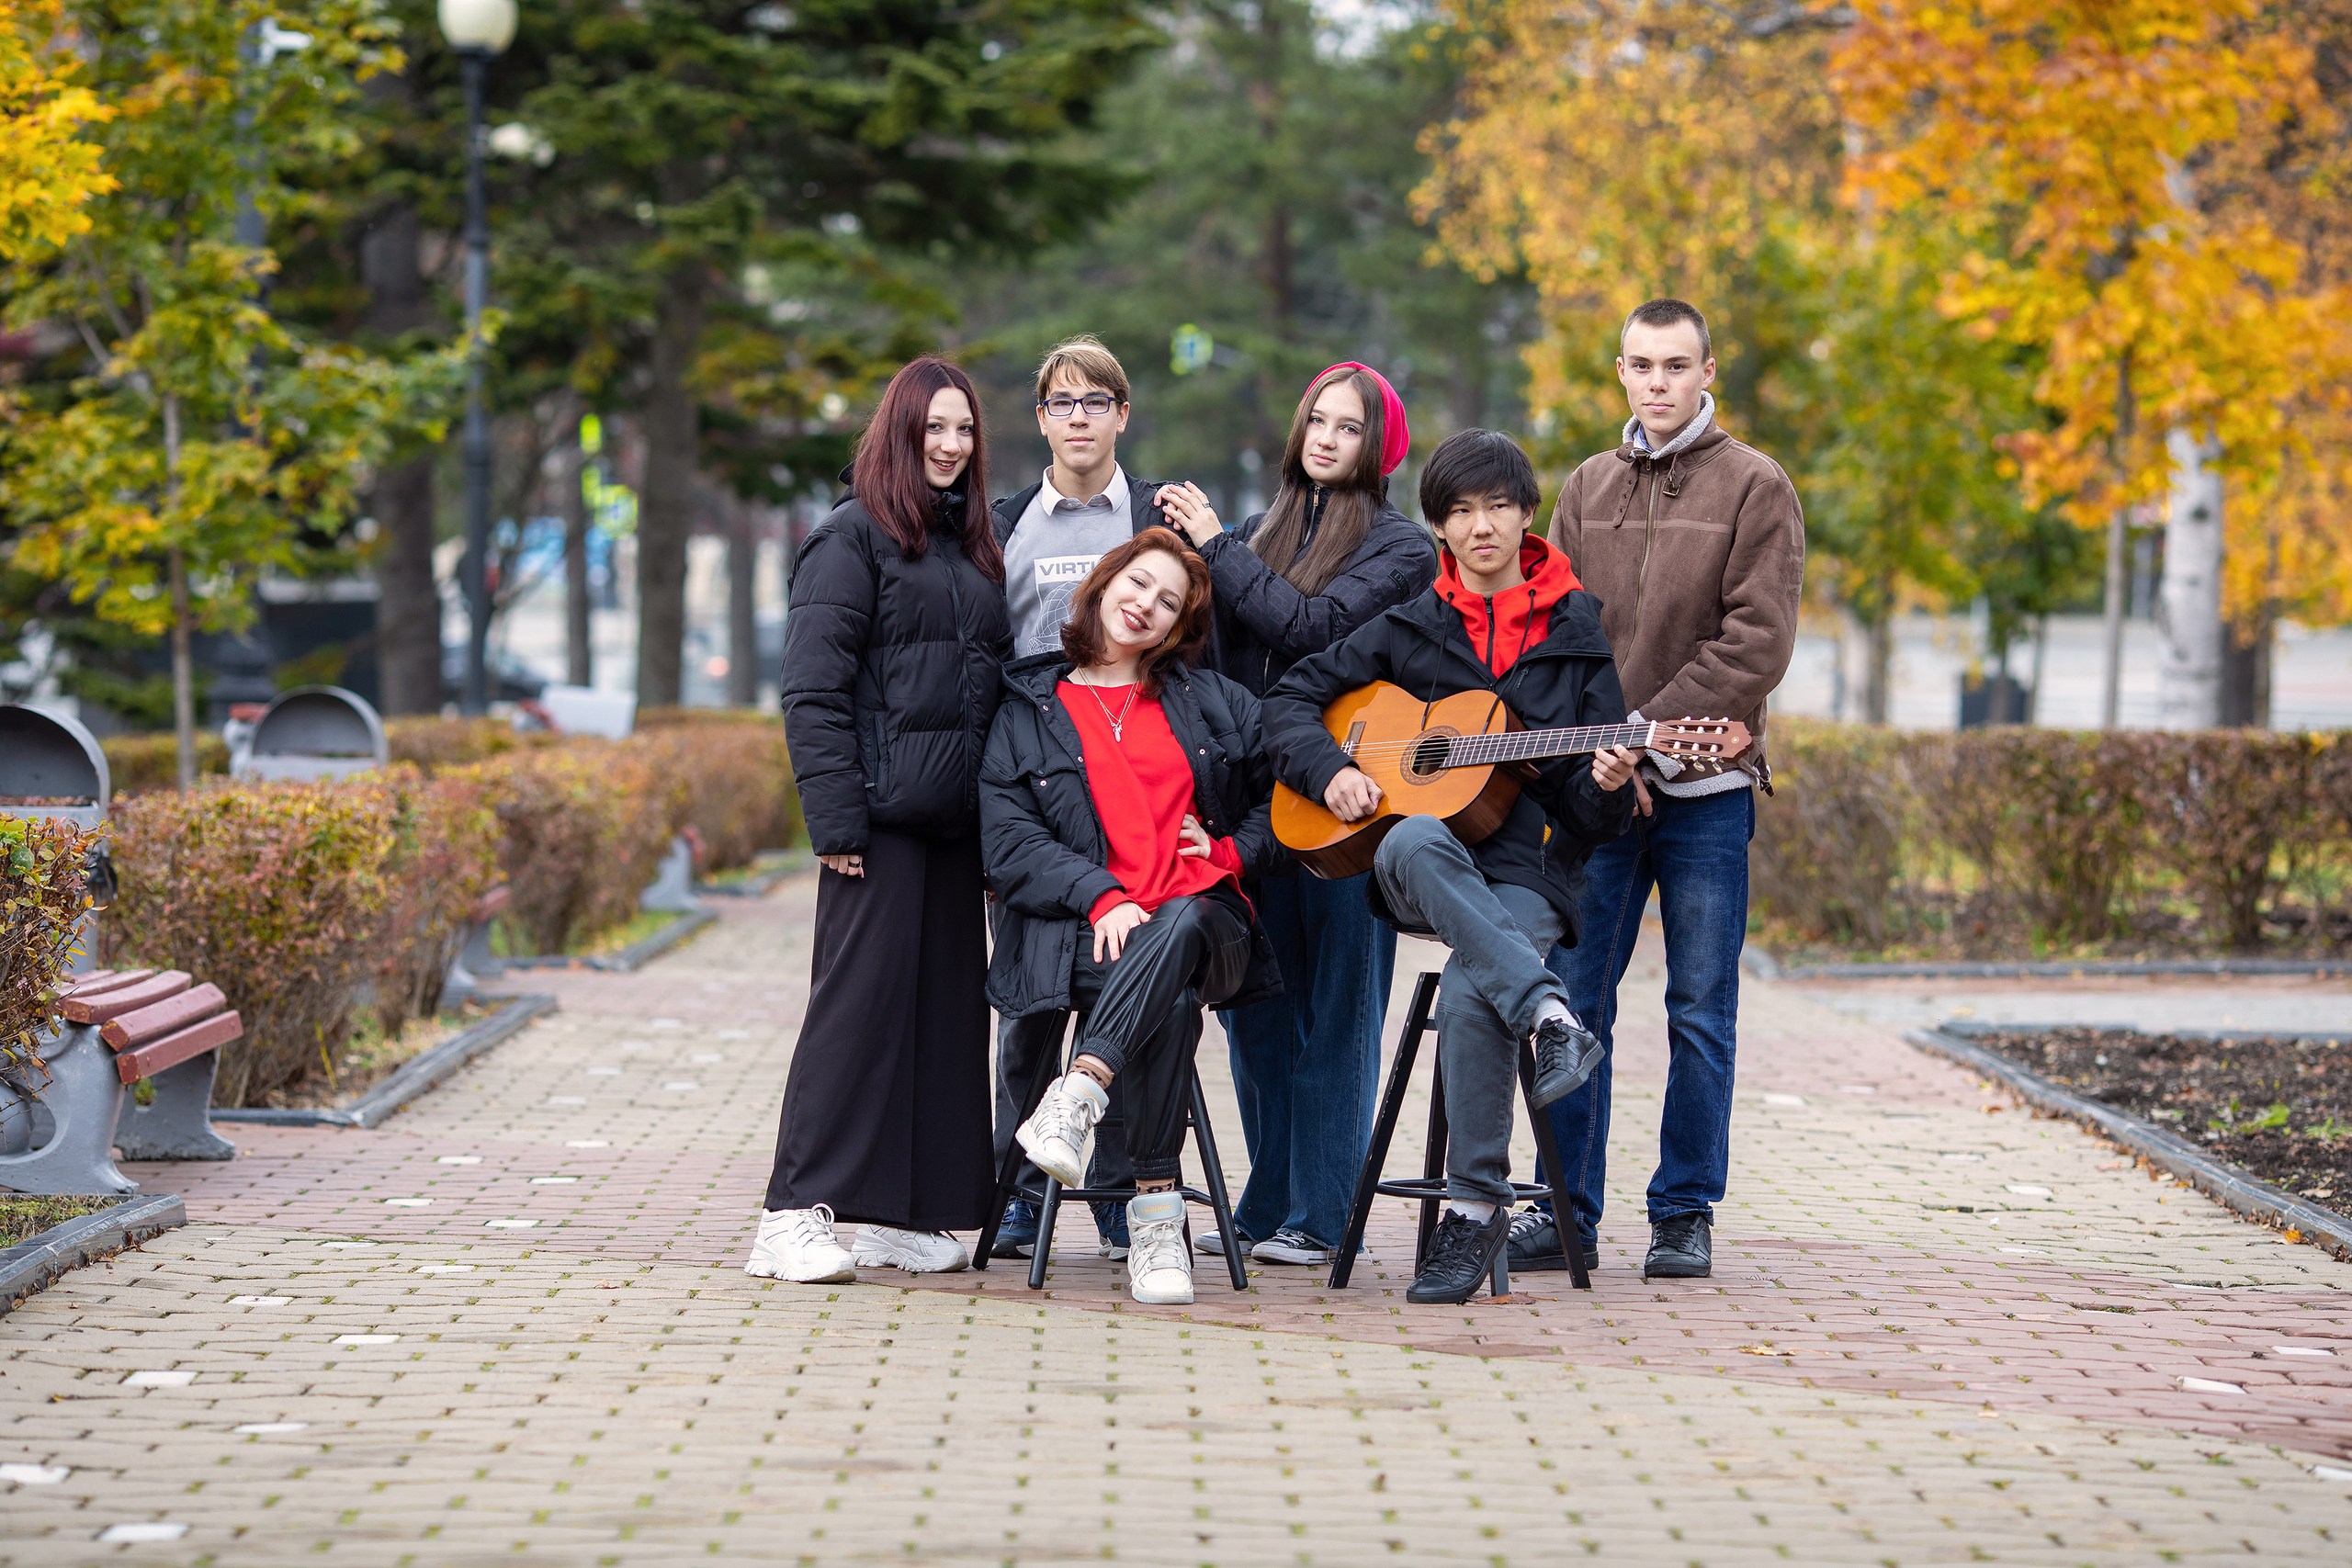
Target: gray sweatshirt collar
x,y
1639,439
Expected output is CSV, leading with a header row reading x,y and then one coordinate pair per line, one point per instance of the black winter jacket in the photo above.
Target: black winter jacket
x,y
1042,840
1567,679
1264,625
892,668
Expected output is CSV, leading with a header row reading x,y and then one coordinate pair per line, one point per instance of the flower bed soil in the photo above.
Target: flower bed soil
x,y
24,1216
2277,1107
368,1059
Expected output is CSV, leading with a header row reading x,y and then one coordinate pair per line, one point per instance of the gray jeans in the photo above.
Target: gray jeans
x,y
1487,996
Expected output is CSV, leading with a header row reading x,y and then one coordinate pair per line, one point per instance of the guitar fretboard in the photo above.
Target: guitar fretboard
x,y
1525,745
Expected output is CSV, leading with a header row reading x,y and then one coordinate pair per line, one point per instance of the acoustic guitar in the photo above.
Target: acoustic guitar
x,y
1454,759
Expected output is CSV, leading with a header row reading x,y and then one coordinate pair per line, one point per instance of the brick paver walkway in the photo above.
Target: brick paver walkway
x,y
510,1327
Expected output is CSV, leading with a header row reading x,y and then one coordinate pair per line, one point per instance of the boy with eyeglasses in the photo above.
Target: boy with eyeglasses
x,y
1052,534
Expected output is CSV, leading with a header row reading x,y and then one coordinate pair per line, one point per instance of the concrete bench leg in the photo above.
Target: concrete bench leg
x,y
673,881
85,1096
474,963
179,1124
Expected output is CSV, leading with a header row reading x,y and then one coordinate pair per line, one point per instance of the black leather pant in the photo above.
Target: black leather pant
x,y
1142,1013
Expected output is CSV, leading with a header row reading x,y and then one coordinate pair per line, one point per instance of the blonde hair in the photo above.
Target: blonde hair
x,y
1085,358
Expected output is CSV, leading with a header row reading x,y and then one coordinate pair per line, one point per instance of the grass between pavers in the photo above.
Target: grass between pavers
x,y
23,1217
2278,1108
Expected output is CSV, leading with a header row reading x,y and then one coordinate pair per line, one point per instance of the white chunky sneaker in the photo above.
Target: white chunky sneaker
x,y
1158,1272
1055,1134
917,1252
799,1245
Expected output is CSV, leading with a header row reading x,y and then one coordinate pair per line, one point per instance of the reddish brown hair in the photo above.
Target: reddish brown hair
x,y
1083,640
887,474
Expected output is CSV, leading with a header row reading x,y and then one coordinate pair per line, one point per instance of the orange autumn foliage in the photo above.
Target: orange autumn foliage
x,y
2112,163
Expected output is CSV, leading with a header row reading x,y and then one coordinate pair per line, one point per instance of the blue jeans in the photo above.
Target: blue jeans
x,y
1695,852
1307,1064
1495,979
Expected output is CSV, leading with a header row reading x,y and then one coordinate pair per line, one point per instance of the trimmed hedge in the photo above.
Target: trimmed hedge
x,y
2013,843
303,901
140,764
585,825
44,889
277,894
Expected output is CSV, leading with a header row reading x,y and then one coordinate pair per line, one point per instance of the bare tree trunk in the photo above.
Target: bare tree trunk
x,y
578,650
2119,590
743,606
2119,567
2188,613
183,620
408,612
183,674
1878,678
2041,668
665,520
2245,671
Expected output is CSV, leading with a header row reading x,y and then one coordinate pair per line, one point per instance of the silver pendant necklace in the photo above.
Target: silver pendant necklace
x,y
1118,725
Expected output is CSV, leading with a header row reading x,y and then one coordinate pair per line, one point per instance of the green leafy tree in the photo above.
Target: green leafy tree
x,y
186,440
715,239
1271,158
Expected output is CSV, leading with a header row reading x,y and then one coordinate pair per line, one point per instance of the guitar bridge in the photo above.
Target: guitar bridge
x,y
1355,735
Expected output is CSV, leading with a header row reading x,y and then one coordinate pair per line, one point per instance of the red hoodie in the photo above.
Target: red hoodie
x,y
1506,624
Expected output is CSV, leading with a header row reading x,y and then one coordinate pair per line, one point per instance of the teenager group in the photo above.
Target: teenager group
x,y
1036,745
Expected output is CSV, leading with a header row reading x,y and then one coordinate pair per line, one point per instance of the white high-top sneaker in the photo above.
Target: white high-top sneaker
x,y
1055,1134
799,1245
917,1252
1158,1272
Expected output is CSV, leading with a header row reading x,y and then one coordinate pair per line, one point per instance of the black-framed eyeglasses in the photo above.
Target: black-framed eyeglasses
x,y
1096,403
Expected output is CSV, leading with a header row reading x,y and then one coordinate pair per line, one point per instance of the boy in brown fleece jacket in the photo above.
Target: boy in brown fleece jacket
x,y
1694,544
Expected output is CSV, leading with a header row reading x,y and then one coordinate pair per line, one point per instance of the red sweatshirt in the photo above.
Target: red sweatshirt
x,y
1506,624
1142,786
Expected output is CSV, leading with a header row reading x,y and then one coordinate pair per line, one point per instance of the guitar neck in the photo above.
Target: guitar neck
x,y
1527,745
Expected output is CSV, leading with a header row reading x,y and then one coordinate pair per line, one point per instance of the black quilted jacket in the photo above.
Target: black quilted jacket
x,y
892,668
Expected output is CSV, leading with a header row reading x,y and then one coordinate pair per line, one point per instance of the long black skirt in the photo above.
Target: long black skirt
x,y
886,1110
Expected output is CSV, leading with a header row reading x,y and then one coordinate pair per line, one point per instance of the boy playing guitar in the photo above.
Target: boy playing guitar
x,y
1505,616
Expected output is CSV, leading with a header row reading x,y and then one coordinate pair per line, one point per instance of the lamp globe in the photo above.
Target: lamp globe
x,y
485,25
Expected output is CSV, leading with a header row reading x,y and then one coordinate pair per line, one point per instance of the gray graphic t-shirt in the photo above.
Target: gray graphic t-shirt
x,y
1054,546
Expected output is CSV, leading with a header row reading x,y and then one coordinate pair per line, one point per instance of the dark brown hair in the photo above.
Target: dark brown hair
x,y
887,475
1083,643
1667,313
1348,509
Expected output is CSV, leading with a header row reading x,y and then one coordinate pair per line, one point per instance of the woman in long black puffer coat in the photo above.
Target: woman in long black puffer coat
x,y
893,653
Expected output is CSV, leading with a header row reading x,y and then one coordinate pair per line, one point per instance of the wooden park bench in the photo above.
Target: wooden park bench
x,y
120,1027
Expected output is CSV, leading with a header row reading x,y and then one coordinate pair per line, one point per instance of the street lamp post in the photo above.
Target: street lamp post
x,y
476,30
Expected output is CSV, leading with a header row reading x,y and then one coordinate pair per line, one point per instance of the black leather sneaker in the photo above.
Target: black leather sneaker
x,y
1460,1258
1535,1245
1565,1055
1681,1248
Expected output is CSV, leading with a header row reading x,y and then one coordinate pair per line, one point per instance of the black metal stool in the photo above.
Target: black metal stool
x,y
1053,1195
1428,1188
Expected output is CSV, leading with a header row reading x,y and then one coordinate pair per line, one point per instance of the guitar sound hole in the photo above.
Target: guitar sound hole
x,y
1427,759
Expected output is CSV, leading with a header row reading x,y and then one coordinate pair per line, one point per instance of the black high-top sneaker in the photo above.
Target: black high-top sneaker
x,y
1565,1055
1535,1245
1681,1248
1461,1256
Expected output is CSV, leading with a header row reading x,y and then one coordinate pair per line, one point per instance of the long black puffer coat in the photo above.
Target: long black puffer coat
x,y
892,670
1042,840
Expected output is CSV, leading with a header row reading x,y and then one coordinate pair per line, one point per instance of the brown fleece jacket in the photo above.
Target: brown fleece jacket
x,y
1697,562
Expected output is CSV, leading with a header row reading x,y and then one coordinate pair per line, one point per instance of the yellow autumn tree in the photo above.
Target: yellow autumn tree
x,y
1619,150
47,171
2096,153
